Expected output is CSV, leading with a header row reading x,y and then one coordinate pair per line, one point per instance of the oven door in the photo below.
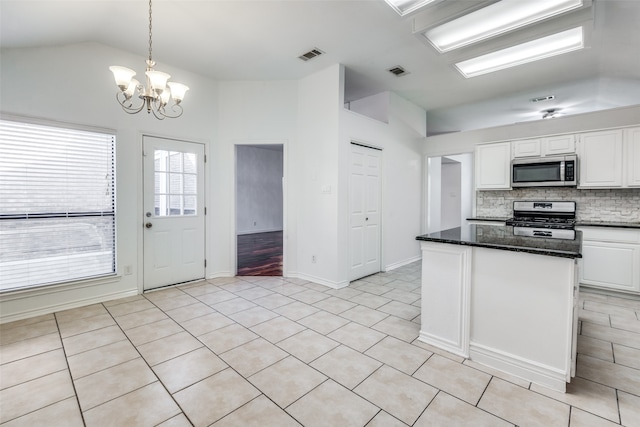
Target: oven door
x,y
538,172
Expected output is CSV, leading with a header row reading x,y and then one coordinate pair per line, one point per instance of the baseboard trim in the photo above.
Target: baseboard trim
x,y
446,345
320,281
266,230
402,263
528,370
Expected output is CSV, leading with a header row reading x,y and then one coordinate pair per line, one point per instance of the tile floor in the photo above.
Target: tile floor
x,y
254,351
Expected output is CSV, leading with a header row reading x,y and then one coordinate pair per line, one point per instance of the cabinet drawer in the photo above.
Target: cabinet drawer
x,y
611,265
604,234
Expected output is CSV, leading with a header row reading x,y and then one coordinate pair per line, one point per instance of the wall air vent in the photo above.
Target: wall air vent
x,y
313,53
398,71
543,98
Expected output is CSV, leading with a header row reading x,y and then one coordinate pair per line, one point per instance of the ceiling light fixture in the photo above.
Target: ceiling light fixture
x,y
156,95
495,19
550,113
545,47
404,7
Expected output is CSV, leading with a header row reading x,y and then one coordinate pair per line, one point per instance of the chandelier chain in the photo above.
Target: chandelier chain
x,y
150,27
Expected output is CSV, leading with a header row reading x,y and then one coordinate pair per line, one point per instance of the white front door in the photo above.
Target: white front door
x,y
173,212
364,211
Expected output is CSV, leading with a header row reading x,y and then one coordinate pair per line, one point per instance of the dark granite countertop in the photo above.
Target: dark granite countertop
x,y
502,237
608,224
487,218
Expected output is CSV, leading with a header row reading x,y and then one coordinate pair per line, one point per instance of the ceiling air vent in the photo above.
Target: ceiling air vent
x,y
311,54
543,98
398,71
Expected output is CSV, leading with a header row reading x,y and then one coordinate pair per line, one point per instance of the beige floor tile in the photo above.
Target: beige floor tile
x,y
260,412
446,410
287,380
364,315
224,339
80,313
207,323
146,406
140,318
153,331
30,368
296,310
356,336
29,347
200,289
497,373
169,347
213,298
629,409
346,366
93,339
100,358
253,316
253,293
183,371
27,397
124,300
233,305
399,328
25,322
277,329
323,322
316,286
405,357
378,279
594,317
64,413
289,289
130,307
626,356
179,420
401,310
163,293
617,336
595,347
253,356
397,393
369,300
402,296
273,301
344,293
174,302
580,418
436,350
625,323
610,309
610,374
335,305
209,400
86,324
587,395
330,404
523,407
310,296
189,312
385,420
28,331
456,379
307,345
108,384
240,285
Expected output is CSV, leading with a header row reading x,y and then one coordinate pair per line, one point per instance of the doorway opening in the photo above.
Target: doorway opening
x,y
259,210
450,191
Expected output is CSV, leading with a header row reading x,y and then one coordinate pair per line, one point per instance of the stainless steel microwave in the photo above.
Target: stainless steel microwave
x,y
561,171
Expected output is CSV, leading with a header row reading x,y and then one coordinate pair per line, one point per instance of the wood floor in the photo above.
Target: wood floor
x,y
260,254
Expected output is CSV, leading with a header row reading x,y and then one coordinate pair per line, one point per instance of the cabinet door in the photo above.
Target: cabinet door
x,y
527,148
611,265
600,159
493,166
632,156
561,144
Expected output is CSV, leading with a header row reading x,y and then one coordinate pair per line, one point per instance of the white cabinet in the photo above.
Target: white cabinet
x,y
610,258
493,166
600,159
632,156
549,146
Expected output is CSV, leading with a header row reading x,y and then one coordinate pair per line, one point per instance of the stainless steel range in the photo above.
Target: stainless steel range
x,y
553,220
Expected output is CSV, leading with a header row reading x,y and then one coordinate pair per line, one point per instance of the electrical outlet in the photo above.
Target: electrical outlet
x,y
313,259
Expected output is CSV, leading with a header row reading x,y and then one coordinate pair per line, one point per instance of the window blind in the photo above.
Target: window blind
x,y
57,204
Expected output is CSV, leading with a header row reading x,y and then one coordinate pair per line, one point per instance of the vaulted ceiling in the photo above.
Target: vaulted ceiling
x,y
261,40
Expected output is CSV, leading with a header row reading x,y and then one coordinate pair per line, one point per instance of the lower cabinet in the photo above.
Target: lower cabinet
x,y
610,258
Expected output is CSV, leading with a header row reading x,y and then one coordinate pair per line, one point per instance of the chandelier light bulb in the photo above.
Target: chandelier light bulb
x,y
177,91
123,76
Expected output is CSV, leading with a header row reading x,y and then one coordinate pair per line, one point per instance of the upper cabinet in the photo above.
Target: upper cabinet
x,y
632,156
549,146
493,166
600,159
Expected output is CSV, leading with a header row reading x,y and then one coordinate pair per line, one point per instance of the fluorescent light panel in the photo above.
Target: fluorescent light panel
x,y
545,47
495,19
404,7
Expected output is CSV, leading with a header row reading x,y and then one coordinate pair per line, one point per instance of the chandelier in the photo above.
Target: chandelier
x,y
160,97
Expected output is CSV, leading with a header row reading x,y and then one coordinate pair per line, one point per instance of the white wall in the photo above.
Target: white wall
x,y
451,196
258,189
73,84
434,194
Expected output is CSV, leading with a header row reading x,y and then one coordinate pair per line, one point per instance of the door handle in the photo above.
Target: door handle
x,y
148,225
366,219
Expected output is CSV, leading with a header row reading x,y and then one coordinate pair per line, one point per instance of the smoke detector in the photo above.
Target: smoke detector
x,y
543,98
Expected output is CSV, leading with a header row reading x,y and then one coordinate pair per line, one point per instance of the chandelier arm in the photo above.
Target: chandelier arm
x,y
128,109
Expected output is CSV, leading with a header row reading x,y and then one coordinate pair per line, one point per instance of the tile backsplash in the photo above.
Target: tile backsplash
x,y
615,205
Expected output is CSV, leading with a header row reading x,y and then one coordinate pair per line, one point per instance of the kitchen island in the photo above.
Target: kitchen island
x,y
506,301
